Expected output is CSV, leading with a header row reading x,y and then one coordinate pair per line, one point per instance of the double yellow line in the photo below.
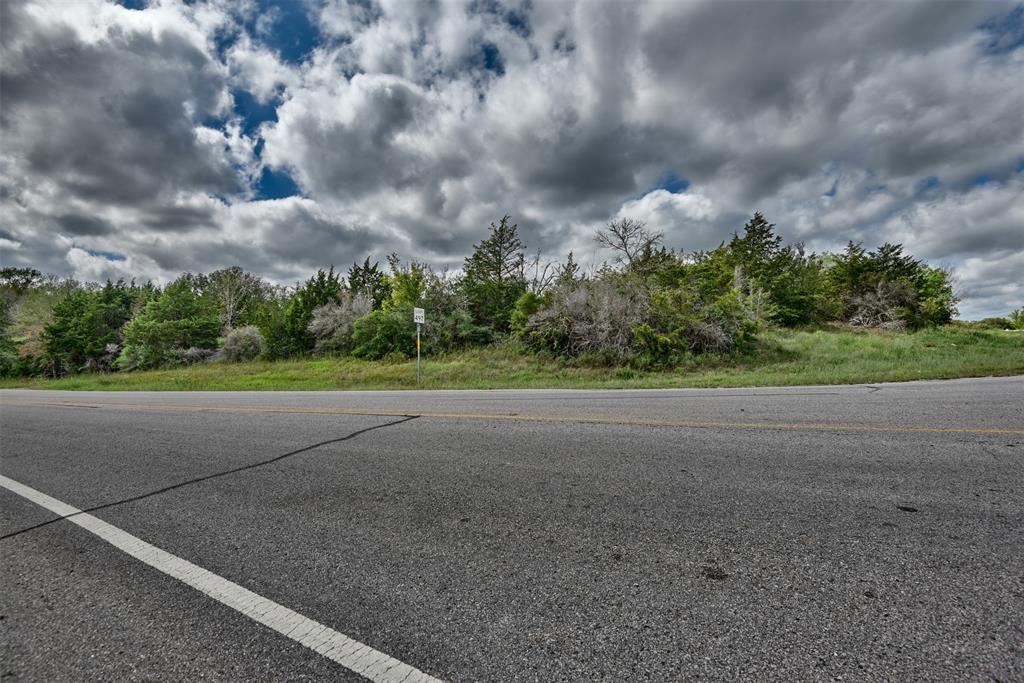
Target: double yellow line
x,y
515,417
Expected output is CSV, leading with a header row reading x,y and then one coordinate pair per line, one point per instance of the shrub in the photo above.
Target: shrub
x,y
1017,319
332,323
449,324
528,304
887,307
886,288
992,324
682,324
595,317
243,344
189,356
380,333
104,362
132,358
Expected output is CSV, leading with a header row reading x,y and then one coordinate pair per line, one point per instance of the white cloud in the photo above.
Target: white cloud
x,y
119,131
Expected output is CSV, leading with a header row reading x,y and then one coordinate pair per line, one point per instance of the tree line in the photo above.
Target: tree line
x,y
647,306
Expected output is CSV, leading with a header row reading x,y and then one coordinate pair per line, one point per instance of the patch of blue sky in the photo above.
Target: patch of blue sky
x,y
671,182
516,18
518,22
252,111
490,59
287,27
109,255
1005,32
276,185
927,184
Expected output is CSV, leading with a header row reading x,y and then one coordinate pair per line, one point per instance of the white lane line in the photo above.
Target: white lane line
x,y
351,654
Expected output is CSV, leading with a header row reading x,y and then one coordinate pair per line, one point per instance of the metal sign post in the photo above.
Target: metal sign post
x,y
418,318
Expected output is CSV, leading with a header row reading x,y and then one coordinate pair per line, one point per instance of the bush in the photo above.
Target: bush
x,y
332,323
888,289
681,324
992,324
449,324
887,307
133,358
528,304
380,333
189,356
243,344
595,317
1017,319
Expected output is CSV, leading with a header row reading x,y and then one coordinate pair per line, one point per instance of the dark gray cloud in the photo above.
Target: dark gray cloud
x,y
414,125
82,225
111,121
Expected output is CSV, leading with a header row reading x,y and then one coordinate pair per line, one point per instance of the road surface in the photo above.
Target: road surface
x,y
815,533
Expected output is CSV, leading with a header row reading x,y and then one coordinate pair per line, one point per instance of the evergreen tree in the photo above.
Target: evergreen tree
x,y
323,288
494,276
568,272
371,280
85,323
791,278
180,318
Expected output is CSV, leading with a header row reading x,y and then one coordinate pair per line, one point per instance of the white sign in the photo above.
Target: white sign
x,y
417,316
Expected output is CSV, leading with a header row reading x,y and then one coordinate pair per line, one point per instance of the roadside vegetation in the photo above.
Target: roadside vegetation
x,y
752,311
780,357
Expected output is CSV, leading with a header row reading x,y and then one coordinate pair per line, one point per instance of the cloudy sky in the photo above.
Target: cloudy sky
x,y
151,138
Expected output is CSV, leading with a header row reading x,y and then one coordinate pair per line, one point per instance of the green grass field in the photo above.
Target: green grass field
x,y
782,357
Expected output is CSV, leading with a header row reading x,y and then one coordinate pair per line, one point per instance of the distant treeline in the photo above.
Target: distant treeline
x,y
647,307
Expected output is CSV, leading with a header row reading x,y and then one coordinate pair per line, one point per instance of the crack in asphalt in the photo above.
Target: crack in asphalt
x,y
215,475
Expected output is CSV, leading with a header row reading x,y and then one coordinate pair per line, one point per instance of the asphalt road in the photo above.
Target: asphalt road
x,y
826,533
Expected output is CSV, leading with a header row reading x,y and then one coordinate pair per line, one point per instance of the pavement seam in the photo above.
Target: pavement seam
x,y
68,514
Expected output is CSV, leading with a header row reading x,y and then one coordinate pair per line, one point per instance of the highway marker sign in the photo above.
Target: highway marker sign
x,y
419,318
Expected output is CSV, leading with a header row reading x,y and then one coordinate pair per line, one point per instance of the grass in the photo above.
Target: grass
x,y
782,357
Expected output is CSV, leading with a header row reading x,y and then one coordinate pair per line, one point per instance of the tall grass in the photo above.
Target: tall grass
x,y
781,357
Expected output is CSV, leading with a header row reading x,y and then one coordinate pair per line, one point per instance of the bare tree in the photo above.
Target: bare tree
x,y
629,238
544,274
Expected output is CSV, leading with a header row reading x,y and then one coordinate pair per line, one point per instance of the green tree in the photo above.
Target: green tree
x,y
791,278
898,285
1017,319
369,279
936,296
494,276
407,282
85,323
568,272
180,318
269,317
323,288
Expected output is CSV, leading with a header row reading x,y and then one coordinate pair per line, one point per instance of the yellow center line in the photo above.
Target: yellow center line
x,y
514,417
